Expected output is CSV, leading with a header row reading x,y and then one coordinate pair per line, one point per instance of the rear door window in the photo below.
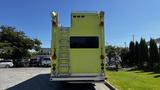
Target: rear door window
x,y
84,42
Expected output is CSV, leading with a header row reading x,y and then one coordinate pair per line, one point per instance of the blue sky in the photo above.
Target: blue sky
x,y
123,18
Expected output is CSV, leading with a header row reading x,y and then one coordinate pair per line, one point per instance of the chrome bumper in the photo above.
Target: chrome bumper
x,y
78,78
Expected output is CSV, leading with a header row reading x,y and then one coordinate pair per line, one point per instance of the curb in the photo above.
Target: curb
x,y
109,85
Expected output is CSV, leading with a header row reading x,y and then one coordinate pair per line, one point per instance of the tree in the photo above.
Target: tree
x,y
159,55
154,58
131,54
136,53
143,53
110,51
15,44
124,56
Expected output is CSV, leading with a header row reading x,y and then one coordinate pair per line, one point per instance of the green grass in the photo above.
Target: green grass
x,y
134,80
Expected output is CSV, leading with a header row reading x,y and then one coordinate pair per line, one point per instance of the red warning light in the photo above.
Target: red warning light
x,y
101,23
54,23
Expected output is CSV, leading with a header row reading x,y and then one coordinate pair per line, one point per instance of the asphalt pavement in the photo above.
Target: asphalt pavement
x,y
38,79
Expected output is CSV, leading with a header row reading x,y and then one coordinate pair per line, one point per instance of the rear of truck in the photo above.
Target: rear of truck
x,y
78,52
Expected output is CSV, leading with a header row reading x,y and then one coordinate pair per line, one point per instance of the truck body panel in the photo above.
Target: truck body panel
x,y
78,52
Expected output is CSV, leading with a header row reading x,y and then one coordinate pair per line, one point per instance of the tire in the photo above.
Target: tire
x,y
7,66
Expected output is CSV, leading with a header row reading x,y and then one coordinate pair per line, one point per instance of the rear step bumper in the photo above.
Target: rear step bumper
x,y
79,79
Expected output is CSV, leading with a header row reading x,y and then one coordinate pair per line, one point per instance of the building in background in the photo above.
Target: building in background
x,y
44,53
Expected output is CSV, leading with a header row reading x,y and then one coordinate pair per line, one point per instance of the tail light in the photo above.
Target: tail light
x,y
54,67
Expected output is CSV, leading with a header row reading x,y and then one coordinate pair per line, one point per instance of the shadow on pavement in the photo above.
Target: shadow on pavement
x,y
41,82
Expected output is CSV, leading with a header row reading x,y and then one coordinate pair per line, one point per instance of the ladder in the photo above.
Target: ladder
x,y
64,56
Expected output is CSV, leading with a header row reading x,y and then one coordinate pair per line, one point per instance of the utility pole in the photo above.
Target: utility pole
x,y
133,37
106,43
125,44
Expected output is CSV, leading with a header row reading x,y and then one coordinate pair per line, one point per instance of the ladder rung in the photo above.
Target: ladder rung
x,y
65,32
64,52
64,62
64,65
64,59
63,39
64,56
64,35
64,74
64,46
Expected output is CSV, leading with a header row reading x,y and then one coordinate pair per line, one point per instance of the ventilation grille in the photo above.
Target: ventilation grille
x,y
78,16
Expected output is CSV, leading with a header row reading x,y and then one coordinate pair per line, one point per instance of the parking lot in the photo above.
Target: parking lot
x,y
38,79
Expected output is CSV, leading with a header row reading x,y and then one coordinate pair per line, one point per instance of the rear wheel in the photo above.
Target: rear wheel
x,y
7,66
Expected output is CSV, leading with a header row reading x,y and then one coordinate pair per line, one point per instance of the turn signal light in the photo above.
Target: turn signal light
x,y
102,57
54,68
102,64
102,68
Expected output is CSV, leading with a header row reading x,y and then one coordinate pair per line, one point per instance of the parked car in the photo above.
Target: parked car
x,y
34,63
6,63
114,63
22,63
46,62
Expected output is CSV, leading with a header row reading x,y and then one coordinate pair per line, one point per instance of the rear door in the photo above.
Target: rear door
x,y
84,54
86,43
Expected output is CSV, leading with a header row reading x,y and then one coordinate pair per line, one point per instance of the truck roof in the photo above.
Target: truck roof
x,y
84,13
